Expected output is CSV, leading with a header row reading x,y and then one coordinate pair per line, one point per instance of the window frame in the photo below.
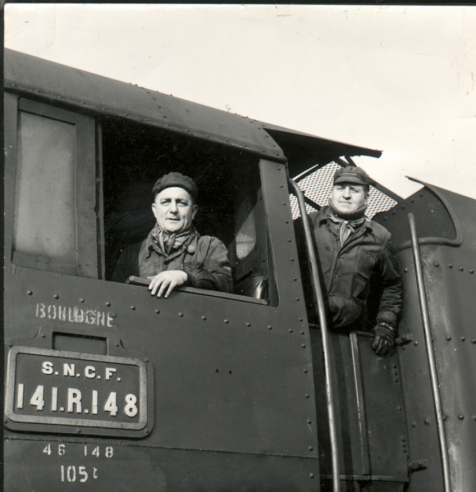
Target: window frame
x,y
86,230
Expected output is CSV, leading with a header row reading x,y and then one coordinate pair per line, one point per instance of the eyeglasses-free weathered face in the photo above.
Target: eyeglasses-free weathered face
x,y
174,210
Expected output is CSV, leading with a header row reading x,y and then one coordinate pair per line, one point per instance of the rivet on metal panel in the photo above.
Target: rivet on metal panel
x,y
6,421
473,340
311,475
471,271
461,417
403,439
281,186
133,307
395,366
421,195
292,259
117,344
108,303
448,338
450,265
248,324
204,318
415,343
10,344
463,339
300,319
405,270
414,424
310,448
284,203
147,360
297,298
289,240
427,421
226,321
396,373
295,279
270,327
304,370
286,222
43,336
56,296
397,380
403,206
309,421
445,417
157,311
303,345
78,431
81,300
385,218
180,314
461,269
29,292
474,417
290,330
306,395
437,264
302,332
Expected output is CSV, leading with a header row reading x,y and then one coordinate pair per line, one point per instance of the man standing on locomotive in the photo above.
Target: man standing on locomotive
x,y
174,254
357,261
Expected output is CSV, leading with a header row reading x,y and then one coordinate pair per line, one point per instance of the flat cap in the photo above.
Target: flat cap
x,y
352,174
175,179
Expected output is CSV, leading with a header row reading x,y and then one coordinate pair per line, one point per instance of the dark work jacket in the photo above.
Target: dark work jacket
x,y
203,258
364,266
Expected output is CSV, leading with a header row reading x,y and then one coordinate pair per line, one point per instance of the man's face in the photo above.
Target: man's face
x,y
348,197
174,210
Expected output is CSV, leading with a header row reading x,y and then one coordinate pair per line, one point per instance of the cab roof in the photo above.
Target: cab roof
x,y
91,93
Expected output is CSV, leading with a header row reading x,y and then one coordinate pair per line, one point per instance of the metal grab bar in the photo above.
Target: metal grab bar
x,y
431,354
325,339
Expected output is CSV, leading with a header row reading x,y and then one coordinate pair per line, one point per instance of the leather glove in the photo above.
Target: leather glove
x,y
384,339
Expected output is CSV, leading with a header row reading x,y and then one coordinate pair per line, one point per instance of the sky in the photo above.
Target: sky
x,y
397,79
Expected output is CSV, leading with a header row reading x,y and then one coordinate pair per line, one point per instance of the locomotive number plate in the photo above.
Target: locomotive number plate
x,y
67,388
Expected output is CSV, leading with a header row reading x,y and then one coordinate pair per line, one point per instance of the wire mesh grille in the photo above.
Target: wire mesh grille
x,y
317,187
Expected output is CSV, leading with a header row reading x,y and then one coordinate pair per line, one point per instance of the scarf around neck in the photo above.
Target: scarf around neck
x,y
347,223
166,242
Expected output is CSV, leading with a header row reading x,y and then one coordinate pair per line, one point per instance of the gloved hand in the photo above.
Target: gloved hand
x,y
384,339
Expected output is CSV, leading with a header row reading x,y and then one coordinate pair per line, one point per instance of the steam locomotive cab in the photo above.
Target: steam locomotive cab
x,y
108,386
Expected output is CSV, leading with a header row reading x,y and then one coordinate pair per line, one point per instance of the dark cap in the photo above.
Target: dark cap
x,y
352,174
175,179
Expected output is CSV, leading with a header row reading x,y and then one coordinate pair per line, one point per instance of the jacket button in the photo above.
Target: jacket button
x,y
191,249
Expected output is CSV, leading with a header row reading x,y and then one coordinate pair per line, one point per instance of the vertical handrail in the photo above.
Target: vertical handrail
x,y
359,393
431,355
325,338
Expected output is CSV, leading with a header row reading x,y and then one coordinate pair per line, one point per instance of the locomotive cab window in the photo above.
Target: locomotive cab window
x,y
83,194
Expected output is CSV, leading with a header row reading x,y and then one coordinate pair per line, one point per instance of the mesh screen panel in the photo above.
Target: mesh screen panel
x,y
317,187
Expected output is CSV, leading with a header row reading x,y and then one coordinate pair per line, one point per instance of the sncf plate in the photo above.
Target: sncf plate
x,y
67,388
